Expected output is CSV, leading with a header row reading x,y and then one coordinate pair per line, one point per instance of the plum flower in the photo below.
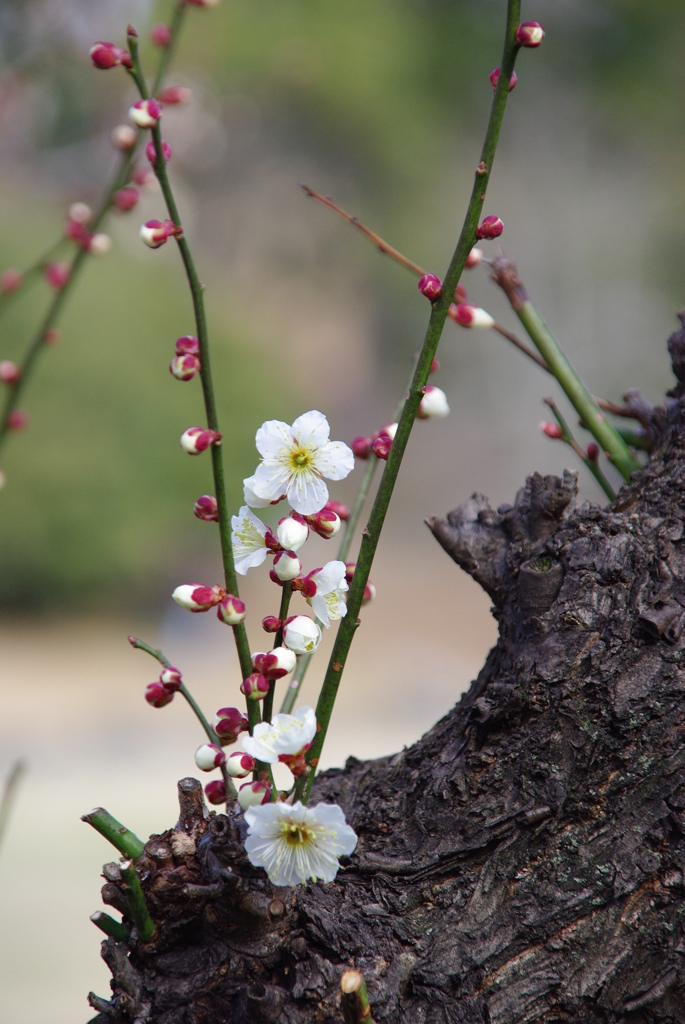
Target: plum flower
x,y
294,460
296,843
249,540
283,736
327,603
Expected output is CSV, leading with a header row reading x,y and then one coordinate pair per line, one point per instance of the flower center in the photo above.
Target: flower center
x,y
296,834
301,458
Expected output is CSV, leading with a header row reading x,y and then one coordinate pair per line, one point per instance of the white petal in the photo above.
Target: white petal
x,y
272,437
334,460
247,537
311,428
307,493
249,496
271,481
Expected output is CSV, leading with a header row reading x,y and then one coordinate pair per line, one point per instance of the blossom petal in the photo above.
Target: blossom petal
x,y
307,493
335,460
249,496
285,734
247,536
270,482
311,428
272,437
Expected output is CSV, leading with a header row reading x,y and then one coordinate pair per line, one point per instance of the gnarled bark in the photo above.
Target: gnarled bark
x,y
524,860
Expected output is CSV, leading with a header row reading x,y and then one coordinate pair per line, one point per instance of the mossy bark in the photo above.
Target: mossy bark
x,y
524,861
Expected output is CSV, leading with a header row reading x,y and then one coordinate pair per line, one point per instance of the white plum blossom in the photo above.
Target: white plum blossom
x,y
285,734
327,603
301,634
252,499
294,844
294,460
249,540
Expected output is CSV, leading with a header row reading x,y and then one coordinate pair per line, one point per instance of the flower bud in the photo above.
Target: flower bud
x,y
276,663
592,450
468,315
215,791
229,723
157,695
494,78
9,372
206,508
326,523
239,764
172,95
195,597
188,345
151,152
124,137
342,511
433,405
552,430
17,420
196,439
474,258
271,623
125,198
231,610
145,113
382,446
435,365
52,336
490,227
161,35
369,593
255,687
250,794
431,287
184,367
156,232
98,244
209,756
292,531
202,3
530,33
57,275
362,447
11,280
107,55
301,634
80,213
287,565
171,678
145,177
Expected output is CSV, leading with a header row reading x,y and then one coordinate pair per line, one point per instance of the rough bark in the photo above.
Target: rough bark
x,y
524,861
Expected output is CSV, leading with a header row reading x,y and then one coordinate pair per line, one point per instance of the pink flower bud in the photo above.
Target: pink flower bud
x,y
76,232
431,287
387,430
382,446
196,439
206,508
238,764
490,227
435,365
52,336
126,198
552,430
494,78
171,678
276,663
215,791
57,275
174,94
301,634
145,113
17,420
433,405
592,450
306,584
209,756
468,315
98,244
250,794
326,523
231,610
151,152
202,3
292,532
362,447
11,280
157,695
342,511
195,597
271,623
145,177
124,137
80,213
460,293
287,565
107,55
229,723
255,687
160,34
369,593
188,345
156,232
473,258
530,33
184,367
9,372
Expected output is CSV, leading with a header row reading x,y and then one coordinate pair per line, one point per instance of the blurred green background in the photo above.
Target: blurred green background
x,y
381,105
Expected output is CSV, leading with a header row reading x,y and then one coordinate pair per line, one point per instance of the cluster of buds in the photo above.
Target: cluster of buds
x,y
228,724
57,274
161,692
76,228
378,444
156,233
196,597
186,363
107,55
195,440
151,152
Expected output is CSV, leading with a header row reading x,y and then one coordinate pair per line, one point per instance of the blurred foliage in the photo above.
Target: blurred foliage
x,y
99,495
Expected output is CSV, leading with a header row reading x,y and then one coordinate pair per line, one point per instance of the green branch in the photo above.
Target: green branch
x,y
118,835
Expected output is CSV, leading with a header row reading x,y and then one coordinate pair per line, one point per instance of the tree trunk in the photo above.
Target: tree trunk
x,y
522,862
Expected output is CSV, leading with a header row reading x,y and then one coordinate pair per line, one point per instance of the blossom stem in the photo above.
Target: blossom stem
x,y
436,324
354,999
286,594
118,835
136,901
116,929
196,292
568,438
